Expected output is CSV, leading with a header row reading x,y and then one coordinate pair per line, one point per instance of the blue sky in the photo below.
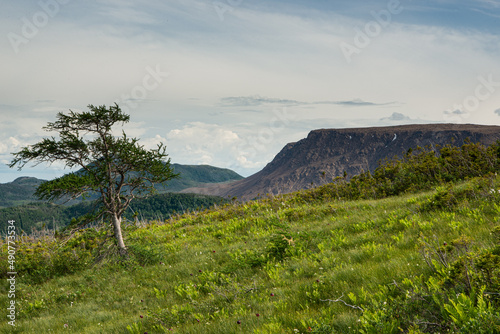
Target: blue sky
x,y
230,82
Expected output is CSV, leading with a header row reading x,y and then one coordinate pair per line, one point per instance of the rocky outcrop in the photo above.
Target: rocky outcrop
x,y
328,153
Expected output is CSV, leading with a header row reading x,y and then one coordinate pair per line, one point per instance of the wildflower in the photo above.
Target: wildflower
x,y
272,294
66,325
258,315
238,322
141,316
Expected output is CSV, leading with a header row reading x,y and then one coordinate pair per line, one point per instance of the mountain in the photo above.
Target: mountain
x,y
21,190
196,175
328,153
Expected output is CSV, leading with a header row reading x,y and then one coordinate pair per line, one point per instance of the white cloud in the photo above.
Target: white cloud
x,y
396,116
262,55
200,143
10,145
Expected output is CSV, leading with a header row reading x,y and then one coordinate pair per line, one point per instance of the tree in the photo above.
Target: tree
x,y
116,168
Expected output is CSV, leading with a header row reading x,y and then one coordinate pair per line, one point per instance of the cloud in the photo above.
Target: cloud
x,y
497,111
201,143
10,145
241,150
396,116
355,103
257,100
287,52
455,112
490,3
52,110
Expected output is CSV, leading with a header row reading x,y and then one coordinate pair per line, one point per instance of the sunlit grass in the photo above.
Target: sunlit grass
x,y
204,273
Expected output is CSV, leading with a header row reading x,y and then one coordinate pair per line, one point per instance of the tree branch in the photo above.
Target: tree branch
x,y
340,300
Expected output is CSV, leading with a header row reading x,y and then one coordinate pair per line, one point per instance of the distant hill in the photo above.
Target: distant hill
x,y
196,175
21,190
328,153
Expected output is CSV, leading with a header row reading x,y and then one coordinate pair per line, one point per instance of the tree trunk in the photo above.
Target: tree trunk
x,y
118,233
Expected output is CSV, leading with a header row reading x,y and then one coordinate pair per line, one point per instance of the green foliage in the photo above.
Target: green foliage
x,y
421,262
461,295
46,258
118,169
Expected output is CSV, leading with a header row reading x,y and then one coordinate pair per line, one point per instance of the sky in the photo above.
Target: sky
x,y
229,83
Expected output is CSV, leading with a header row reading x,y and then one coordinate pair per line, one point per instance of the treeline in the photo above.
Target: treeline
x,y
164,205
39,215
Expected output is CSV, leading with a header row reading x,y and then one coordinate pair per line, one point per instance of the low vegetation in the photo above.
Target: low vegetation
x,y
412,248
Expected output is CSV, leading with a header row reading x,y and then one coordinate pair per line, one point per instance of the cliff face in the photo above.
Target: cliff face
x,y
328,153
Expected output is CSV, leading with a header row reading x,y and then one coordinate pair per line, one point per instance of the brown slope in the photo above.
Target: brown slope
x,y
327,153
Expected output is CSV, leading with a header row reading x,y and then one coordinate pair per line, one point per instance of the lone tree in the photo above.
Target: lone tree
x,y
116,168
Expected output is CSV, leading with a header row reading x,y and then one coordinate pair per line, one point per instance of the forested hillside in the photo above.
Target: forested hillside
x,y
21,190
40,215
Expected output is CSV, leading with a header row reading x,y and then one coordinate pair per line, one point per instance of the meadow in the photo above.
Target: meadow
x,y
413,248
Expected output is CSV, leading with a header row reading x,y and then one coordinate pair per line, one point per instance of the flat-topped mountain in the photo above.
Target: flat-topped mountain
x,y
328,153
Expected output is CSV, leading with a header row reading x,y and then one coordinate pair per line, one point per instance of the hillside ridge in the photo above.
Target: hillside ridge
x,y
21,190
327,153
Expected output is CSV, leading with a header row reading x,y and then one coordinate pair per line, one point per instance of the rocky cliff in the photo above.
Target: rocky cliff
x,y
328,153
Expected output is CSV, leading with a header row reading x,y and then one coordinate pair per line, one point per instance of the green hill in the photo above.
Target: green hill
x,y
21,190
196,175
412,248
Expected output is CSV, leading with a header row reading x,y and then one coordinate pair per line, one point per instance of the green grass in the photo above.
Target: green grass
x,y
281,258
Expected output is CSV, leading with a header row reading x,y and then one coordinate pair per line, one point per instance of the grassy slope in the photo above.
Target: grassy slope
x,y
238,258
